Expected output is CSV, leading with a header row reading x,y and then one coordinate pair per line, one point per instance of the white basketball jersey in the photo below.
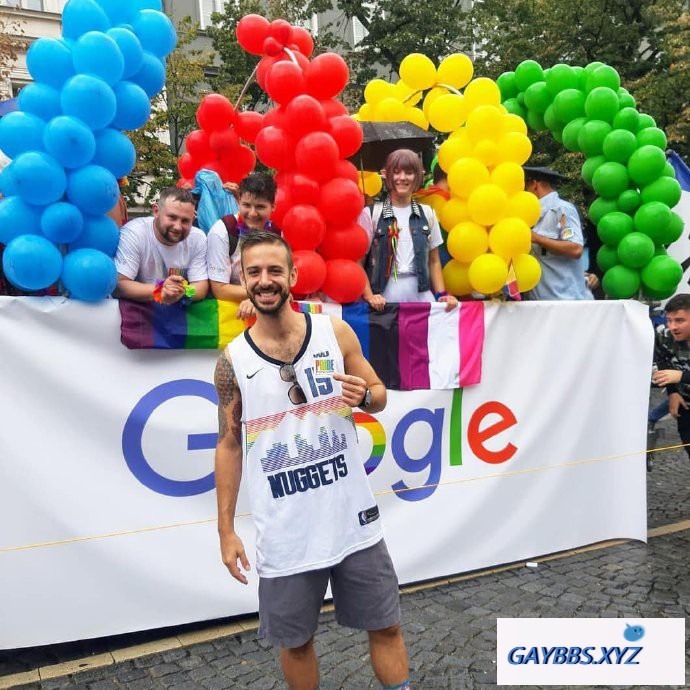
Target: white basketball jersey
x,y
309,493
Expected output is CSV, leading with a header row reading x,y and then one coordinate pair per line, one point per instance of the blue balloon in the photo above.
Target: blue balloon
x,y
90,99
151,76
62,222
8,185
156,32
98,54
119,11
40,100
100,232
131,49
93,190
133,106
115,152
40,178
31,262
18,218
69,141
89,275
80,16
149,5
49,61
20,132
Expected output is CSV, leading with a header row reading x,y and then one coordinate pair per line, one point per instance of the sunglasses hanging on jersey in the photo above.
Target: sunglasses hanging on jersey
x,y
295,394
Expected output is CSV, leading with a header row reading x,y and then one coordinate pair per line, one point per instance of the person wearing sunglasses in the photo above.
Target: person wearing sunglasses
x,y
286,392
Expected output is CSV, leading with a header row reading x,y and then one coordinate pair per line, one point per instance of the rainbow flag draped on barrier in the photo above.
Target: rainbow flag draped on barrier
x,y
412,346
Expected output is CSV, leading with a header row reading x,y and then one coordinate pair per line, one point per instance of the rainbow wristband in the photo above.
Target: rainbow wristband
x,y
158,292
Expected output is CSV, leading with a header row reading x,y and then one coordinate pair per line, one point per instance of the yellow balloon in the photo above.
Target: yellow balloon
x,y
376,90
454,211
431,96
527,271
418,71
447,112
466,174
524,205
467,240
369,183
488,273
487,152
456,279
453,149
455,70
390,110
510,237
487,204
515,147
484,122
436,201
416,117
510,177
409,96
513,123
365,112
482,91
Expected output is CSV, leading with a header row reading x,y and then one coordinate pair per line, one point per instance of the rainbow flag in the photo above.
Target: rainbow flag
x,y
412,346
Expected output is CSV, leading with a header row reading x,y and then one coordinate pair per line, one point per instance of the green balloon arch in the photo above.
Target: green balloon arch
x,y
587,110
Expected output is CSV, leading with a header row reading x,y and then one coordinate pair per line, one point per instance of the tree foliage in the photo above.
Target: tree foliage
x,y
11,43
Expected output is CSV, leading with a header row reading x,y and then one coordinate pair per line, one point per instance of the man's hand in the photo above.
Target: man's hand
x,y
377,302
233,188
246,310
232,549
666,377
354,388
592,281
173,289
675,402
451,302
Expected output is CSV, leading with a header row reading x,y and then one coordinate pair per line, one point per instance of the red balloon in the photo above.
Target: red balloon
x,y
240,164
341,201
303,190
345,280
224,142
265,64
185,184
333,108
215,112
187,166
311,271
303,40
345,242
280,30
272,48
317,155
304,114
303,227
274,148
281,208
251,32
347,170
248,124
284,81
197,144
327,75
276,117
347,134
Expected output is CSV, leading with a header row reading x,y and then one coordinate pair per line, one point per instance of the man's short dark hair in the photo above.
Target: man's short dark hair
x,y
260,185
439,174
678,303
183,196
257,237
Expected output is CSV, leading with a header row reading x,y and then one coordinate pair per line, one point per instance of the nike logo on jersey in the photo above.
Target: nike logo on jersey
x,y
251,376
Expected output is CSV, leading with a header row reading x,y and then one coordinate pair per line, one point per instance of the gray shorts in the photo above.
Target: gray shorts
x,y
365,594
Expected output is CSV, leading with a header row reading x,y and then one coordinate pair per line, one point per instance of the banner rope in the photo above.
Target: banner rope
x,y
192,523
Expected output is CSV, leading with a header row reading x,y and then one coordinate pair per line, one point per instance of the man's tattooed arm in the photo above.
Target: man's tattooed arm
x,y
229,400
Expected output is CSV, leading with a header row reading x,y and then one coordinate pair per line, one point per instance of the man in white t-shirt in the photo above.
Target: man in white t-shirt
x,y
158,255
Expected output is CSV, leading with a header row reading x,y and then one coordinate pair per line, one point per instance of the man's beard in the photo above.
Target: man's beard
x,y
268,311
165,233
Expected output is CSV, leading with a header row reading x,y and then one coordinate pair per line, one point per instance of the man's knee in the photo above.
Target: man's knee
x,y
301,651
386,635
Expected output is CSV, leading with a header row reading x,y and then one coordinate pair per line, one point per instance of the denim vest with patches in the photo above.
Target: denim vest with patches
x,y
377,259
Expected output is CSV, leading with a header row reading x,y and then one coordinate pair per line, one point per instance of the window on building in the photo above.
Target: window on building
x,y
358,31
24,4
207,8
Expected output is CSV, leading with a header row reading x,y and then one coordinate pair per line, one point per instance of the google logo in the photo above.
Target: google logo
x,y
378,436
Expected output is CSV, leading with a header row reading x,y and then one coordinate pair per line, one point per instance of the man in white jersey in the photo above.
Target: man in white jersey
x,y
286,390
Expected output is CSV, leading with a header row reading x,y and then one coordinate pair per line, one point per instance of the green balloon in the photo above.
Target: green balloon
x,y
645,122
675,226
513,106
629,200
508,87
613,227
521,98
589,166
571,132
593,66
657,294
635,250
603,76
557,134
610,180
535,121
527,73
664,189
646,164
607,257
538,97
625,100
600,208
660,250
653,219
551,120
621,282
662,273
591,137
627,118
601,104
561,77
669,171
652,136
569,104
619,145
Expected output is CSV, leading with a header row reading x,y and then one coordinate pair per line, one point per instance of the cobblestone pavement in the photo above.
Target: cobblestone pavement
x,y
450,629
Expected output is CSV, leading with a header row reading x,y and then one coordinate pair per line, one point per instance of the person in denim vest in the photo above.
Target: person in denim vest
x,y
403,263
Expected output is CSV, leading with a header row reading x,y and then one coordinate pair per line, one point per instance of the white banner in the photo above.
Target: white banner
x,y
106,493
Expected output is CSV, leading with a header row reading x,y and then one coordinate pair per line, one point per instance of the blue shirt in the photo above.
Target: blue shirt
x,y
562,278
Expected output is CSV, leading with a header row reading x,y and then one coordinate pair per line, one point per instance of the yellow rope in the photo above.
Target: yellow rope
x,y
192,523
